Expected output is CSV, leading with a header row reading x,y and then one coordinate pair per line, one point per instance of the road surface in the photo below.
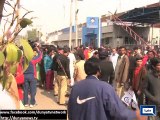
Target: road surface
x,y
46,101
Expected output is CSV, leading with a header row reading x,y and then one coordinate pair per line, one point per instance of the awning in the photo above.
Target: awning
x,y
150,15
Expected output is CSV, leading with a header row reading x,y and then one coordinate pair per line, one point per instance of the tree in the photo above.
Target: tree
x,y
32,34
10,54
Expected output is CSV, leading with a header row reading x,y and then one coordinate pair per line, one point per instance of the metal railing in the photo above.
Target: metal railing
x,y
132,33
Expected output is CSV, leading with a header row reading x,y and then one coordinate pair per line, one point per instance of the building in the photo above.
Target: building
x,y
143,21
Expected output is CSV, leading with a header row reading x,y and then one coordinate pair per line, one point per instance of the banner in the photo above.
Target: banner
x,y
33,114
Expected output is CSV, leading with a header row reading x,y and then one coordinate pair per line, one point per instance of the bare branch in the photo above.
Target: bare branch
x,y
33,18
20,21
7,15
7,20
13,1
7,3
15,16
5,25
4,9
13,19
14,12
4,28
15,35
24,8
26,14
9,27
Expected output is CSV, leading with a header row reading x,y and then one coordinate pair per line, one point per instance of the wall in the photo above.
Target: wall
x,y
107,29
154,35
63,39
121,34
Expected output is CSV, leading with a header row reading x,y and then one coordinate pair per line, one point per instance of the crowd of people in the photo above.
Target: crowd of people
x,y
101,75
124,70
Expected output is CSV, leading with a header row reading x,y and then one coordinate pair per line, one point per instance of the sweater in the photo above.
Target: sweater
x,y
48,61
31,70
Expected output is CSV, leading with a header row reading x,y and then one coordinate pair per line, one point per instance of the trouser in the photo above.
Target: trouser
x,y
49,80
20,92
120,90
72,79
43,76
55,84
140,98
30,87
62,88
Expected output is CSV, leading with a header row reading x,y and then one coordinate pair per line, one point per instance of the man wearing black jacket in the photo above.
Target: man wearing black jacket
x,y
63,74
106,66
151,85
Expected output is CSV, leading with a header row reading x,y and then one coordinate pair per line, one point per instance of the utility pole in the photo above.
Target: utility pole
x,y
99,32
76,20
70,31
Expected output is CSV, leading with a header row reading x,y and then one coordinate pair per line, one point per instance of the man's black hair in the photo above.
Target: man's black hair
x,y
152,52
135,48
80,55
139,58
103,54
49,50
75,48
81,46
122,47
100,49
155,61
66,49
91,66
59,48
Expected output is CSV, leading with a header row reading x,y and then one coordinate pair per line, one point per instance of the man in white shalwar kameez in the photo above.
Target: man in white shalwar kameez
x,y
72,61
114,57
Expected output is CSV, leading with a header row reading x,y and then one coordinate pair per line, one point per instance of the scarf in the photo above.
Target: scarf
x,y
136,78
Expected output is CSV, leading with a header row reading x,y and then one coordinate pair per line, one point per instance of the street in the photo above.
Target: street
x,y
46,101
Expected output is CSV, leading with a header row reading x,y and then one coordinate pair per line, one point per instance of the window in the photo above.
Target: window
x,y
106,41
129,41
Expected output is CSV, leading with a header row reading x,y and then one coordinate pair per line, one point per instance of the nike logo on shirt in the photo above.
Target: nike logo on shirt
x,y
84,100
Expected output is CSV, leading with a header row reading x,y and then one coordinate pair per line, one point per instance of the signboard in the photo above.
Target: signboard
x,y
92,22
129,99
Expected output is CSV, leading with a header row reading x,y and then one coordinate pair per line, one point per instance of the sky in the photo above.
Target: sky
x,y
53,15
